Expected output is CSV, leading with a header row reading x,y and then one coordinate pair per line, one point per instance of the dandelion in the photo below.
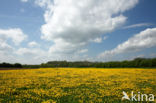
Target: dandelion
x,y
91,85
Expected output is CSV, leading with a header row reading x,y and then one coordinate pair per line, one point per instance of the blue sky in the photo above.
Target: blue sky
x,y
36,31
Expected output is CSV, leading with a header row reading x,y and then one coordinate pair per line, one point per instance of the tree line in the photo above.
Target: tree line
x,y
8,65
136,63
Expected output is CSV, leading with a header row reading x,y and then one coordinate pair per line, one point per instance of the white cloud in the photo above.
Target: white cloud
x,y
4,46
15,34
29,51
97,40
63,47
24,0
71,24
32,55
140,41
82,51
5,51
137,25
33,44
23,55
7,48
39,55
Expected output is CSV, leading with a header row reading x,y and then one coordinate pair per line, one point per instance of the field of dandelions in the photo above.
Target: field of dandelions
x,y
73,85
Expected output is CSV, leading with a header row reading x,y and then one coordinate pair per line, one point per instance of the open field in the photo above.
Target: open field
x,y
74,85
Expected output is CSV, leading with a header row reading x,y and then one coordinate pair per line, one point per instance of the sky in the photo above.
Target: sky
x,y
37,31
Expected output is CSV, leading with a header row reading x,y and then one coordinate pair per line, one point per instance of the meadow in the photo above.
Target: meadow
x,y
74,85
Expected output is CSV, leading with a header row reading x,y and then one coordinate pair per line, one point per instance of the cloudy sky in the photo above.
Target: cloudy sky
x,y
36,31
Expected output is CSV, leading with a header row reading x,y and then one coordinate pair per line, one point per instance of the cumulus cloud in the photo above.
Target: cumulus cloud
x,y
63,47
5,52
82,51
71,24
29,51
140,41
137,25
33,44
97,40
15,34
37,55
7,48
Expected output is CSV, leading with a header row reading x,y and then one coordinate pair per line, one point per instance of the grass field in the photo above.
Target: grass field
x,y
74,85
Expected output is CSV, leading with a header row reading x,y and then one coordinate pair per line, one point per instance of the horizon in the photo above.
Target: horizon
x,y
38,31
80,61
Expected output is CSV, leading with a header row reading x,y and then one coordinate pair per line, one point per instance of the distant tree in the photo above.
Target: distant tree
x,y
138,62
17,65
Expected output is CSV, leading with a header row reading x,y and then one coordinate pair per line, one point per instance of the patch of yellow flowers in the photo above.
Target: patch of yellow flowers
x,y
73,85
